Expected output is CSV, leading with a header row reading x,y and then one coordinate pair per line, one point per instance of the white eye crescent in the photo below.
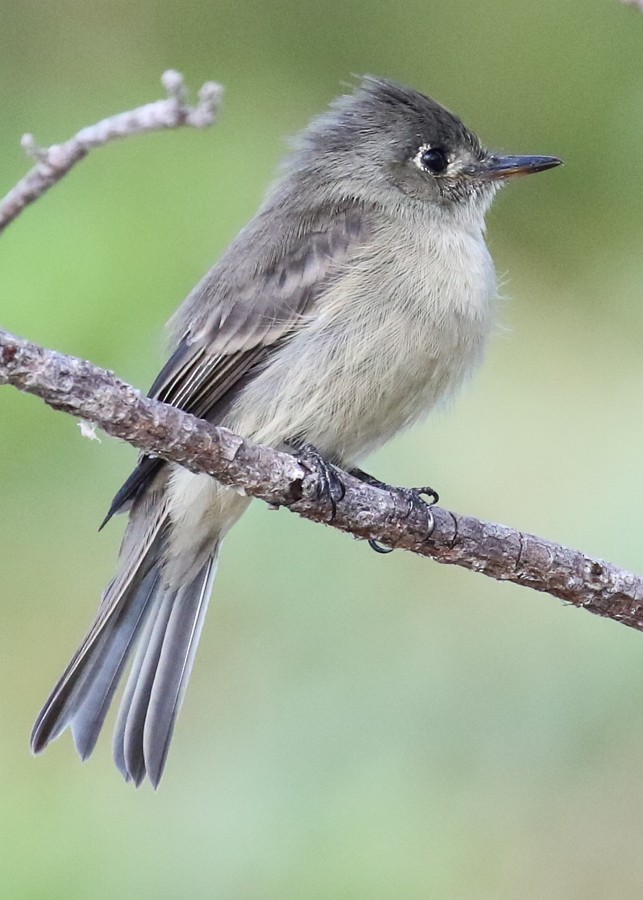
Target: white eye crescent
x,y
431,159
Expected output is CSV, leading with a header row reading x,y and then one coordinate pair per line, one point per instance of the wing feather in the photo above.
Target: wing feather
x,y
245,322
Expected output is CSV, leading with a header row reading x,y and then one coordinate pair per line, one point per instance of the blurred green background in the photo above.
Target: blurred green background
x,y
357,726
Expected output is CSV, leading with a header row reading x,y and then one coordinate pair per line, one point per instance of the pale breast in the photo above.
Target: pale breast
x,y
394,336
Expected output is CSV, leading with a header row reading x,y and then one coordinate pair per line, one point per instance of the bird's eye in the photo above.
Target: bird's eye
x,y
433,160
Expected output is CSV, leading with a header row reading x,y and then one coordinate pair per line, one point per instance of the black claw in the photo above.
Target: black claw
x,y
379,548
414,497
331,486
429,492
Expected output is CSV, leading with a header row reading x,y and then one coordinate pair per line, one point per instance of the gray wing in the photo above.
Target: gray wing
x,y
242,313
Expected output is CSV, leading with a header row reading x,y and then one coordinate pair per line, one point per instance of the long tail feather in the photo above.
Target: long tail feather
x,y
114,631
138,607
174,668
159,677
104,677
128,734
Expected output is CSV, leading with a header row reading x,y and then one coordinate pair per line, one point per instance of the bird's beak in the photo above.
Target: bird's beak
x,y
497,168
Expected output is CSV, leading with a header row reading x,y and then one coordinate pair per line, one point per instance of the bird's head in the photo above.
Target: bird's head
x,y
385,142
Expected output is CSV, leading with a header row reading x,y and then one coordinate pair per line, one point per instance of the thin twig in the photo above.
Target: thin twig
x,y
84,390
54,162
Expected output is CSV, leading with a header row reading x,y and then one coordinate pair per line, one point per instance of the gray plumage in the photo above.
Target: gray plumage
x,y
359,297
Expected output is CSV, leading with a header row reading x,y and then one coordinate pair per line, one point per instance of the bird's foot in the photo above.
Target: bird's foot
x,y
414,498
331,487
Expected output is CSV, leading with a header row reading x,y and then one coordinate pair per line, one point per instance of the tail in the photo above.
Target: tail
x,y
138,608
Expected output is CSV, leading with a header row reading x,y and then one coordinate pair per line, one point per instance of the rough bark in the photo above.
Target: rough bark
x,y
77,387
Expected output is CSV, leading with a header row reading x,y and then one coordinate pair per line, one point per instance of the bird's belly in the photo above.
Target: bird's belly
x,y
349,390
371,362
362,399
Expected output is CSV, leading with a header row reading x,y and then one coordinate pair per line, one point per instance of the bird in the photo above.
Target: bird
x,y
360,296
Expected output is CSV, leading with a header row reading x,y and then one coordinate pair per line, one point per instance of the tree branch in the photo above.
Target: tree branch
x,y
84,390
54,162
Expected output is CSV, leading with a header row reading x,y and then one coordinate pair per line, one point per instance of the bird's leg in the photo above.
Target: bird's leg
x,y
331,486
413,496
